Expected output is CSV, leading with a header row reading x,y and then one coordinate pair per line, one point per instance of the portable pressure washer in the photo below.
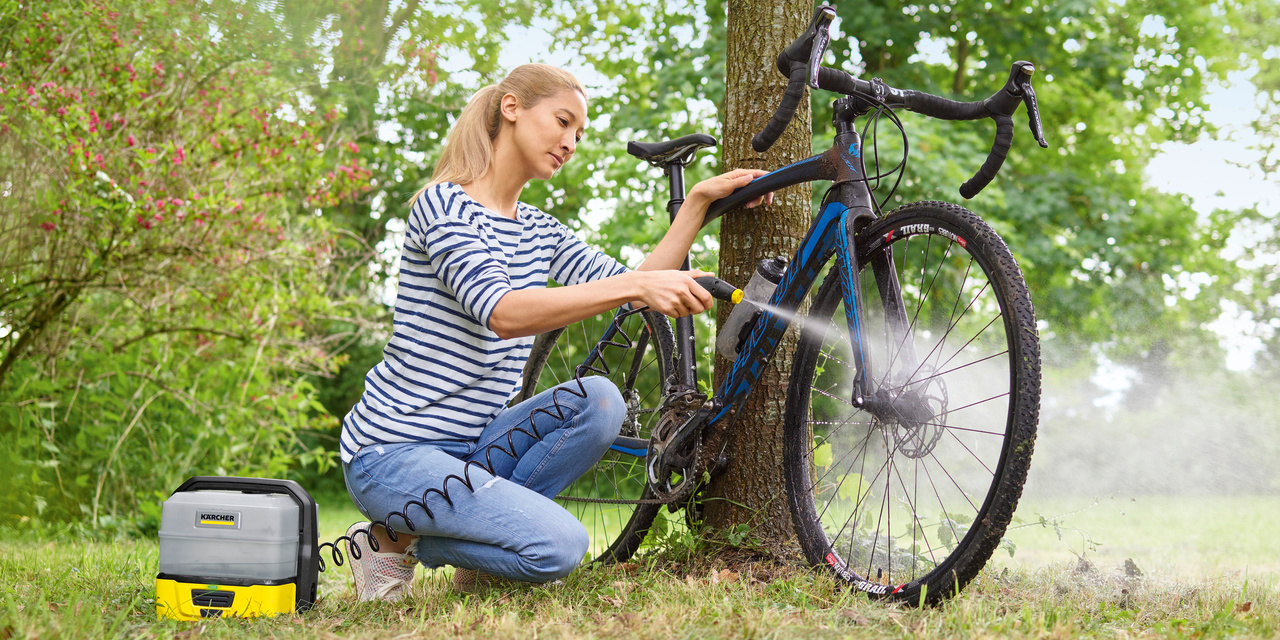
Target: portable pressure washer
x,y
237,547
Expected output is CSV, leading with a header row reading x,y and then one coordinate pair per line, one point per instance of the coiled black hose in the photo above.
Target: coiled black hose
x,y
556,411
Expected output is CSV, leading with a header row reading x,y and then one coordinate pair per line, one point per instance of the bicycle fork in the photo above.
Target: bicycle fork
x,y
855,194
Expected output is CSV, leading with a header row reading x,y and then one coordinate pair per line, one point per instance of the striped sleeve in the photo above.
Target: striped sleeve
x,y
460,258
576,262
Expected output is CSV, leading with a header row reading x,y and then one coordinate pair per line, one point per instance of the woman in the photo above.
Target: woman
x,y
472,293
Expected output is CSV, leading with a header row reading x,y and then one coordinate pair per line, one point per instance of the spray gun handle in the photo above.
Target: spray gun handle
x,y
719,289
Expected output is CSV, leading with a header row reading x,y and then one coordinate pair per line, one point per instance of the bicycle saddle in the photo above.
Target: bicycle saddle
x,y
679,151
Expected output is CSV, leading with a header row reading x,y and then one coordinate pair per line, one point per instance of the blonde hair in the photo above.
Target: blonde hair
x,y
468,151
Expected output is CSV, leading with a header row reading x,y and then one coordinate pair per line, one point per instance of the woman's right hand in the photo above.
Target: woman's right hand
x,y
671,292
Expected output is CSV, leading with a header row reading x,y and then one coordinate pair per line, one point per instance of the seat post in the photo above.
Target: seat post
x,y
687,365
675,175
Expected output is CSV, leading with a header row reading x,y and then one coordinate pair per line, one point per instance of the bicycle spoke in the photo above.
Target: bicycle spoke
x,y
949,371
866,441
953,481
937,347
951,427
951,523
883,504
858,501
974,404
924,295
915,514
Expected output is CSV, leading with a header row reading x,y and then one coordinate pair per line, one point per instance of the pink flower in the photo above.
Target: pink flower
x,y
62,111
180,156
130,141
31,91
151,149
48,226
353,147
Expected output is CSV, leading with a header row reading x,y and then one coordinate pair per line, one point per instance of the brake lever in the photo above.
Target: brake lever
x,y
821,38
1023,83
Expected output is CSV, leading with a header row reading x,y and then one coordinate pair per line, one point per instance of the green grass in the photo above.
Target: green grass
x,y
1181,537
67,588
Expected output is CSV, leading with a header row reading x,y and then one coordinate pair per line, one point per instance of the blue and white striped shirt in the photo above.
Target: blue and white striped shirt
x,y
444,375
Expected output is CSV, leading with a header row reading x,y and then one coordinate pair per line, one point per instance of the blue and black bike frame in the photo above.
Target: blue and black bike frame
x,y
846,209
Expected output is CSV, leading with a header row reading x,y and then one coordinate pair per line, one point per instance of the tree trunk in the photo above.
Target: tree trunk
x,y
750,490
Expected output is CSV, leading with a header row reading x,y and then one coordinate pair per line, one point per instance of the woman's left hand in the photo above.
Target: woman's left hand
x,y
726,183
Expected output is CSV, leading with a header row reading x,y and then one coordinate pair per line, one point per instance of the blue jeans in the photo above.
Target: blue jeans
x,y
509,526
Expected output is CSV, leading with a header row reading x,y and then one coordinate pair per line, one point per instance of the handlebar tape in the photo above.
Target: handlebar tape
x,y
945,109
999,150
786,110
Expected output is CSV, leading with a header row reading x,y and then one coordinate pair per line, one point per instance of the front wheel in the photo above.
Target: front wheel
x,y
905,494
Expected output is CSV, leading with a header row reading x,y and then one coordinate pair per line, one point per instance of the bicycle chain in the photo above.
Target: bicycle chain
x,y
611,500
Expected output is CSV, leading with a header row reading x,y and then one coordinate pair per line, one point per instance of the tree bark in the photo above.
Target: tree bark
x,y
750,489
962,56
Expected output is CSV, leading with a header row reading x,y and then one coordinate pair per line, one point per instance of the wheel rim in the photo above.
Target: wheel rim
x,y
901,486
614,529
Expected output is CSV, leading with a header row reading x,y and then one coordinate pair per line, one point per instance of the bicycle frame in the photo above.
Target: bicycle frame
x,y
846,209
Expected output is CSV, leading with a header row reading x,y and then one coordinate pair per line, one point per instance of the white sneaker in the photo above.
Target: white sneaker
x,y
379,576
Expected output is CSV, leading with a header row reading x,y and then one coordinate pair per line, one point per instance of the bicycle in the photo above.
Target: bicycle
x,y
911,415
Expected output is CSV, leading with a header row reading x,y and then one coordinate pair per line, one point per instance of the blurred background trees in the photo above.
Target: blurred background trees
x,y
201,203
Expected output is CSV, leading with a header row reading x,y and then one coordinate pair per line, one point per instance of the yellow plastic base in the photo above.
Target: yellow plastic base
x,y
174,600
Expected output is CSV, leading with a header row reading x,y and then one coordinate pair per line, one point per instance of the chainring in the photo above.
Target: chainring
x,y
680,412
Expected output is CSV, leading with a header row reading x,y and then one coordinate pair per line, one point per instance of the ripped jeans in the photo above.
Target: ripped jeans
x,y
509,527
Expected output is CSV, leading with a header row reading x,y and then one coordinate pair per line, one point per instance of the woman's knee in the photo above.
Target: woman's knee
x,y
605,408
559,548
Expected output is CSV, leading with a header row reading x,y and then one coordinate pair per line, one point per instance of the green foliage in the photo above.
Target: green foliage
x,y
400,73
162,294
104,440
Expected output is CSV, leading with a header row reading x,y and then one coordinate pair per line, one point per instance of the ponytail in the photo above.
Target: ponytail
x,y
468,151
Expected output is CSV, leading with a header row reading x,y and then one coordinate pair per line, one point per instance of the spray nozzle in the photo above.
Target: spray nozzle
x,y
719,289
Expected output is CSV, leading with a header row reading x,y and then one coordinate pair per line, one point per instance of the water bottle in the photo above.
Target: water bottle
x,y
743,317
